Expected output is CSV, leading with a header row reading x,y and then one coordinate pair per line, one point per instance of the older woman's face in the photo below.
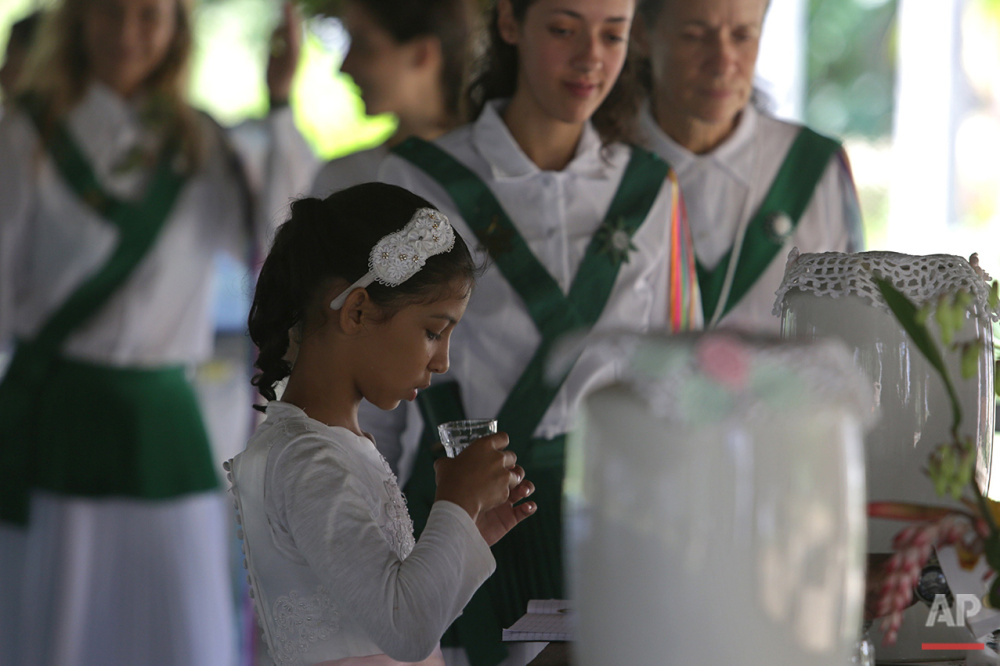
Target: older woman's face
x,y
126,40
703,55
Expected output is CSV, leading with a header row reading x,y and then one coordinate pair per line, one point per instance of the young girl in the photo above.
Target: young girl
x,y
755,186
583,233
115,196
408,58
372,281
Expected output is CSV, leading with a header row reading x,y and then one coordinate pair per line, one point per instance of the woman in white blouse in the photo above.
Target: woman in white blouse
x,y
114,197
754,186
577,232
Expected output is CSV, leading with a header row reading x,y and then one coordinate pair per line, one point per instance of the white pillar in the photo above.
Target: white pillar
x,y
921,205
781,64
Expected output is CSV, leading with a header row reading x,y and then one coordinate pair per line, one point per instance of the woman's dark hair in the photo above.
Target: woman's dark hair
x,y
496,77
22,32
330,238
452,22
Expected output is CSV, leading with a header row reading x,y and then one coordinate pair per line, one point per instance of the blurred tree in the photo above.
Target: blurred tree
x,y
851,66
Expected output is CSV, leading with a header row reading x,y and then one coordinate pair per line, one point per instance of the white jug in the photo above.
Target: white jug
x,y
715,504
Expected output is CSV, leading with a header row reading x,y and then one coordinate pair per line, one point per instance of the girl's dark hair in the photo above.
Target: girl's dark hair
x,y
452,22
496,77
330,238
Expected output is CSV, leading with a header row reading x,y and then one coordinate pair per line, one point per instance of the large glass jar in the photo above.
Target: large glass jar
x,y
715,504
834,295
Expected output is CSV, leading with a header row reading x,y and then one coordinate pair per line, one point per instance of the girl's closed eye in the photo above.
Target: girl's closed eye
x,y
431,335
615,37
560,30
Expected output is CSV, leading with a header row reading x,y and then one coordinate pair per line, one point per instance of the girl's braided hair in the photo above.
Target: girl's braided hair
x,y
325,239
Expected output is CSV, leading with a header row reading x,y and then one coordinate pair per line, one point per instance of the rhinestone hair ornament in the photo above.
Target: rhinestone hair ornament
x,y
398,256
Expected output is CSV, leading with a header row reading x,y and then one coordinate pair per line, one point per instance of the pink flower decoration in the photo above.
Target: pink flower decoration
x,y
724,359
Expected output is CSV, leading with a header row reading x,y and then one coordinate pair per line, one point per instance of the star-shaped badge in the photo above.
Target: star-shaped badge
x,y
614,239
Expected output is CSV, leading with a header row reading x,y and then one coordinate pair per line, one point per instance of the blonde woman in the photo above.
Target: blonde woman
x,y
114,197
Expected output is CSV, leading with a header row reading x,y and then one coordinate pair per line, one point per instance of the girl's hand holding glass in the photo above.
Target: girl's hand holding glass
x,y
486,481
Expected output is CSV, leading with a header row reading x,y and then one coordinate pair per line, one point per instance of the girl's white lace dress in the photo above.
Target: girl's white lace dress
x,y
329,547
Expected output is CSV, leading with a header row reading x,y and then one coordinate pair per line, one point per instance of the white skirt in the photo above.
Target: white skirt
x,y
94,582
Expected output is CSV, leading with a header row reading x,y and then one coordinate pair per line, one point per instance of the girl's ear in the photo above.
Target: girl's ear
x,y
356,309
506,22
425,53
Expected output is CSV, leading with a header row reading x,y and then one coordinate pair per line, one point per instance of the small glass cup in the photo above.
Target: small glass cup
x,y
456,435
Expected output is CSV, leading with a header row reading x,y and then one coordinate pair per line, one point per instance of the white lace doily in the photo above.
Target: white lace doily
x,y
708,378
922,279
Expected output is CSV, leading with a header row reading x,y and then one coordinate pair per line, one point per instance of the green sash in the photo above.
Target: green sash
x,y
530,557
789,195
39,384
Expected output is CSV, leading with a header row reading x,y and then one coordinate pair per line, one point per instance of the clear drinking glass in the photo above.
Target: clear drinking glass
x,y
456,435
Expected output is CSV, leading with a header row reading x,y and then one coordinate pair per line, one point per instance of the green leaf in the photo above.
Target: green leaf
x,y
962,300
970,359
945,316
923,314
905,313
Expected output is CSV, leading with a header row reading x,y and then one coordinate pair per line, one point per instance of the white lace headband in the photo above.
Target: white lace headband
x,y
398,256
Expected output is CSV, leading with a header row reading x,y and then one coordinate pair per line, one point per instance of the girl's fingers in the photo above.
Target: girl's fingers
x,y
522,490
510,461
499,441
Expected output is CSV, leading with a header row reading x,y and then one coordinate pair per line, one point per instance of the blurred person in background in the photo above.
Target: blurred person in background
x,y
22,36
754,186
114,196
408,58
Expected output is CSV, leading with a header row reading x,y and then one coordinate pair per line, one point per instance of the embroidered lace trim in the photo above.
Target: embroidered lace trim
x,y
398,528
922,279
709,378
300,622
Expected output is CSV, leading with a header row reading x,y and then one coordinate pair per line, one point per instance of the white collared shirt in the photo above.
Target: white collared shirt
x,y
722,190
354,169
50,241
557,213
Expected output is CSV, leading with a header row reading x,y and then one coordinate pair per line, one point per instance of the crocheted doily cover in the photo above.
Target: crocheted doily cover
x,y
922,279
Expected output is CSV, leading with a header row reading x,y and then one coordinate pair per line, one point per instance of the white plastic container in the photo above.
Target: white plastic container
x,y
715,505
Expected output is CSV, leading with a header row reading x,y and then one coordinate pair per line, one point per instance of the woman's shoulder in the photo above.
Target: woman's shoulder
x,y
781,129
16,126
352,169
457,139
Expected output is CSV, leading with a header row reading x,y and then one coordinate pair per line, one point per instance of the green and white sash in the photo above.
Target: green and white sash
x,y
785,202
87,429
531,555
